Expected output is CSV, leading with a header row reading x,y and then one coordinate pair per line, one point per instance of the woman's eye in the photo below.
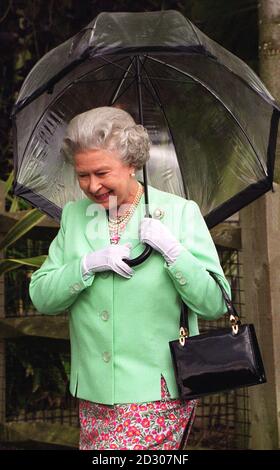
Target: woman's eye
x,y
97,174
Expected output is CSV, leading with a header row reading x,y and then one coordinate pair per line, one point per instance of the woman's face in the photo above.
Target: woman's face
x,y
101,174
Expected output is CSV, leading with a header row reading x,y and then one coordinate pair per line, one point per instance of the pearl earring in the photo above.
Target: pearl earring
x,y
132,174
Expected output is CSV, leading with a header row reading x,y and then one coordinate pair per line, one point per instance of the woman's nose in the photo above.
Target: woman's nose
x,y
94,184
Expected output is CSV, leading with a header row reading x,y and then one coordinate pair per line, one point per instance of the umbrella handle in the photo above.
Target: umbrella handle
x,y
147,250
141,258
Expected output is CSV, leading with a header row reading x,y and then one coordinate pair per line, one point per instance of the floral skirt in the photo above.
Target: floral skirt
x,y
156,425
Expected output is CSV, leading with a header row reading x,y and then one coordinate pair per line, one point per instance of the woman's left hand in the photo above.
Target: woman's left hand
x,y
159,237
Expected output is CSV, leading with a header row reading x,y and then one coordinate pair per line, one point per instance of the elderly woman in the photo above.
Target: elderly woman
x,y
122,319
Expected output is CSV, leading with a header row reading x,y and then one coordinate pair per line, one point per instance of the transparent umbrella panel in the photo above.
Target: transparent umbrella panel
x,y
212,123
134,32
206,142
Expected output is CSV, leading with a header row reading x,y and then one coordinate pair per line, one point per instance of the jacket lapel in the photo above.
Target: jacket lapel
x,y
96,225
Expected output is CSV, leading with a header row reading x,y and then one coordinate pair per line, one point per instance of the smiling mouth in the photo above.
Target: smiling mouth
x,y
103,196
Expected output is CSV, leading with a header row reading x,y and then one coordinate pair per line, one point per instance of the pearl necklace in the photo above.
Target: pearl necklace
x,y
117,225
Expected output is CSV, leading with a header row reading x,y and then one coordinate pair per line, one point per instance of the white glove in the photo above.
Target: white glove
x,y
159,237
109,258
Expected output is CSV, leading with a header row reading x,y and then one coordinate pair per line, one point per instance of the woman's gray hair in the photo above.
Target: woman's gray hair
x,y
107,128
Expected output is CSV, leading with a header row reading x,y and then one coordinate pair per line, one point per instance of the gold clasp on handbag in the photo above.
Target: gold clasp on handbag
x,y
183,334
234,323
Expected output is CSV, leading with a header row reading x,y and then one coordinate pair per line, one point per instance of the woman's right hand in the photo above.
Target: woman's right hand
x,y
109,258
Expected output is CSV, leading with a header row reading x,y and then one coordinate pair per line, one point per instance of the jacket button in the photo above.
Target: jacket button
x,y
182,281
105,315
178,275
106,356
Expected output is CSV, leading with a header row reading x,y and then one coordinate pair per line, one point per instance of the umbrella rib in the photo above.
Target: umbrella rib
x,y
98,80
117,89
194,31
124,90
97,69
172,67
68,86
152,85
156,96
115,64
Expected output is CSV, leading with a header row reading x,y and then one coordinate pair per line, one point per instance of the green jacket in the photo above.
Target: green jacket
x,y
120,328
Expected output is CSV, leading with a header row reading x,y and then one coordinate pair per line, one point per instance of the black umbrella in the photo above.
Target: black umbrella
x,y
212,122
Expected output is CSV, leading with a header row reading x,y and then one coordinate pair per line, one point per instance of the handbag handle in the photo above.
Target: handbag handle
x,y
233,315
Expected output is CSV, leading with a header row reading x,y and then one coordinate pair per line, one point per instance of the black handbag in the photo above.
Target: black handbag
x,y
219,360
